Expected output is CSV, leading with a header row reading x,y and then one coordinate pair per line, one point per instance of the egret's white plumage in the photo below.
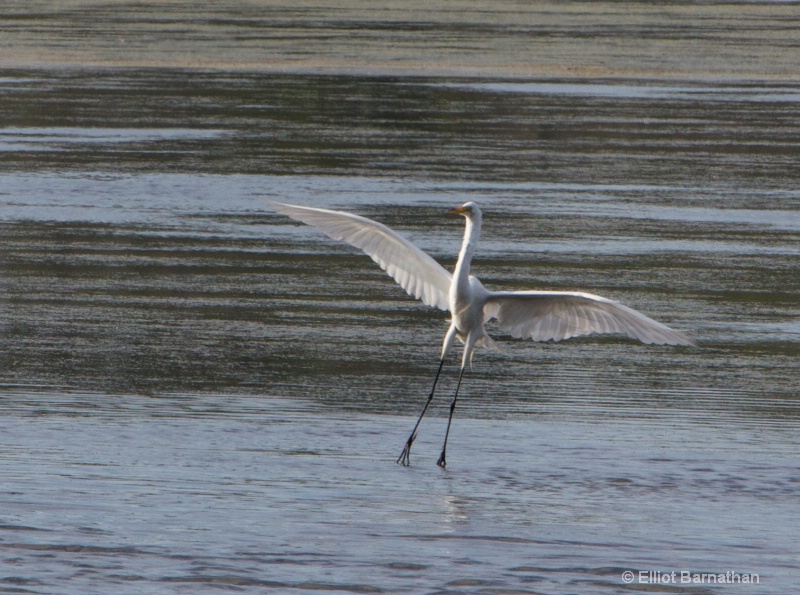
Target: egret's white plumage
x,y
537,315
416,272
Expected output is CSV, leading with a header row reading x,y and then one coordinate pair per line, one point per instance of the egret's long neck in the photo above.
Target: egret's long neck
x,y
471,234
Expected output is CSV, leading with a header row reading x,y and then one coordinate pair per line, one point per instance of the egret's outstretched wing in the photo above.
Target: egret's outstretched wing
x,y
554,315
416,272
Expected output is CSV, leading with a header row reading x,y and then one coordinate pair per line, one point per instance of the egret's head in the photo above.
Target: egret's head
x,y
468,209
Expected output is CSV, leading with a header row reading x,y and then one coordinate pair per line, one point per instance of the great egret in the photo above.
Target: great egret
x,y
537,315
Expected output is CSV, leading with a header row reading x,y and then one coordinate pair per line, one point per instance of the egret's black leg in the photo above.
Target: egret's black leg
x,y
405,456
442,462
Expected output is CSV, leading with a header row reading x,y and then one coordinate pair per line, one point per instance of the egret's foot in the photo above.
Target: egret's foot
x,y
442,462
405,457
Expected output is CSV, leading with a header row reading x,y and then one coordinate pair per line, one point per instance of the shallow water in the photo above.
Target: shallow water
x,y
199,395
198,493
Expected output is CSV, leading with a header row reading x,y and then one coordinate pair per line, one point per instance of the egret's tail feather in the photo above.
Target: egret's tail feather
x,y
488,343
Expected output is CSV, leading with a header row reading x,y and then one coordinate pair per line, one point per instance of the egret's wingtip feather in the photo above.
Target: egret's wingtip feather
x,y
683,340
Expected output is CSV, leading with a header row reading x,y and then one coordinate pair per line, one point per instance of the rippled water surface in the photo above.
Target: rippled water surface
x,y
198,395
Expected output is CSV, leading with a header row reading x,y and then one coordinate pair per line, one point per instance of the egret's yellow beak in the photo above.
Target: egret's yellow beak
x,y
458,211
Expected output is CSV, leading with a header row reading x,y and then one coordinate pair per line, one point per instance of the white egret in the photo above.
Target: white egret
x,y
537,315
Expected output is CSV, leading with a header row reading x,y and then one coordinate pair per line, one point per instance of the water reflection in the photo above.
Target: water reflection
x,y
272,124
173,288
